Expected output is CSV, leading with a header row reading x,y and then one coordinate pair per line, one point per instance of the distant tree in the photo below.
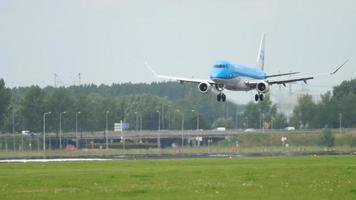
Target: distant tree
x,y
32,108
60,100
326,138
255,112
104,105
86,105
251,116
5,97
280,121
324,112
345,88
304,113
123,100
346,107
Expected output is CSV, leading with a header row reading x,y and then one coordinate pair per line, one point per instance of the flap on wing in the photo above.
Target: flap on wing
x,y
284,74
290,80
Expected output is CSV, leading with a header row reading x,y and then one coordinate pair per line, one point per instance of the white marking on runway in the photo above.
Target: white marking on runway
x,y
52,160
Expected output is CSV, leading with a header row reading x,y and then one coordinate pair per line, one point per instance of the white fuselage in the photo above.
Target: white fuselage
x,y
234,77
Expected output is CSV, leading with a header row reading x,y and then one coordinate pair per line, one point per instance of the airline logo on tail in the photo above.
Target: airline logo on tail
x,y
261,53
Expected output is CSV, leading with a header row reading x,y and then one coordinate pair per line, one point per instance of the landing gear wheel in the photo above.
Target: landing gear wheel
x,y
261,97
218,97
223,97
257,97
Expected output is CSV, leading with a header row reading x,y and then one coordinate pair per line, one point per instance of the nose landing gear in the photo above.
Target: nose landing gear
x,y
259,97
221,96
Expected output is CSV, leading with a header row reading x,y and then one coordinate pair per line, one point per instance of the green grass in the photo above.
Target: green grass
x,y
322,177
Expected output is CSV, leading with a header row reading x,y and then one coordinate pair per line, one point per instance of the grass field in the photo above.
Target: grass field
x,y
322,177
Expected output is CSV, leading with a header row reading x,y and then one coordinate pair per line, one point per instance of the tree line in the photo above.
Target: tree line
x,y
142,104
336,108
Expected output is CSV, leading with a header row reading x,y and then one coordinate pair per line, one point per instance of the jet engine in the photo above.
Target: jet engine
x,y
262,87
204,87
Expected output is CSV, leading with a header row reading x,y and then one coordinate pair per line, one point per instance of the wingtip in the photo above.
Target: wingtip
x,y
150,68
337,69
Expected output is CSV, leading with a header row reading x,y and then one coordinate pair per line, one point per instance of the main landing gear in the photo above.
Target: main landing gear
x,y
259,97
221,97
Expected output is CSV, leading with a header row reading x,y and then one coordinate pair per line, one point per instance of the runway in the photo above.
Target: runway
x,y
51,160
172,156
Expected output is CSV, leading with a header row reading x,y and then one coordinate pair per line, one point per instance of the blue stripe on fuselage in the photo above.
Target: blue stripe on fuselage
x,y
230,71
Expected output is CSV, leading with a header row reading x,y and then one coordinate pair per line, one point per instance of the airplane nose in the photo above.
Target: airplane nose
x,y
217,74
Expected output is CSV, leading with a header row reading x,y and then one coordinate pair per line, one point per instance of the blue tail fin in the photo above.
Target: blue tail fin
x,y
261,53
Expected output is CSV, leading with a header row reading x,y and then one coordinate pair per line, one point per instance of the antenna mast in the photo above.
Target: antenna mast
x,y
79,78
55,80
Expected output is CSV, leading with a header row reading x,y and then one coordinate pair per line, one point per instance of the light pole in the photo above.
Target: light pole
x,y
174,123
246,118
5,142
44,130
182,121
182,129
13,122
263,122
182,126
136,125
162,116
169,113
340,120
106,130
141,122
238,119
197,118
76,128
159,120
13,130
159,129
60,128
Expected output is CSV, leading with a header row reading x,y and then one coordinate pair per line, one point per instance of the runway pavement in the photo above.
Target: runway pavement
x,y
171,156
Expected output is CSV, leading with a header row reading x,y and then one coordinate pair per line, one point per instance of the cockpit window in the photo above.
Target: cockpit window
x,y
220,66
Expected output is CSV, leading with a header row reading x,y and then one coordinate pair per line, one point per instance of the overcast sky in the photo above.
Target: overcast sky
x,y
108,41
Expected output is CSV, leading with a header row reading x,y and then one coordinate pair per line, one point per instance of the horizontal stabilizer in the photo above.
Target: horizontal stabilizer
x,y
283,82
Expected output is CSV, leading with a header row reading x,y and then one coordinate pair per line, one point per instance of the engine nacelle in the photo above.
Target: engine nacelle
x,y
262,87
204,87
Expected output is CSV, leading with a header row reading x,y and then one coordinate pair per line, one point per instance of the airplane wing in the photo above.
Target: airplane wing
x,y
253,84
180,79
284,74
283,82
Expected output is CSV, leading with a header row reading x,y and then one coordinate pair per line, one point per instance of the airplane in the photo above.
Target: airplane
x,y
237,77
